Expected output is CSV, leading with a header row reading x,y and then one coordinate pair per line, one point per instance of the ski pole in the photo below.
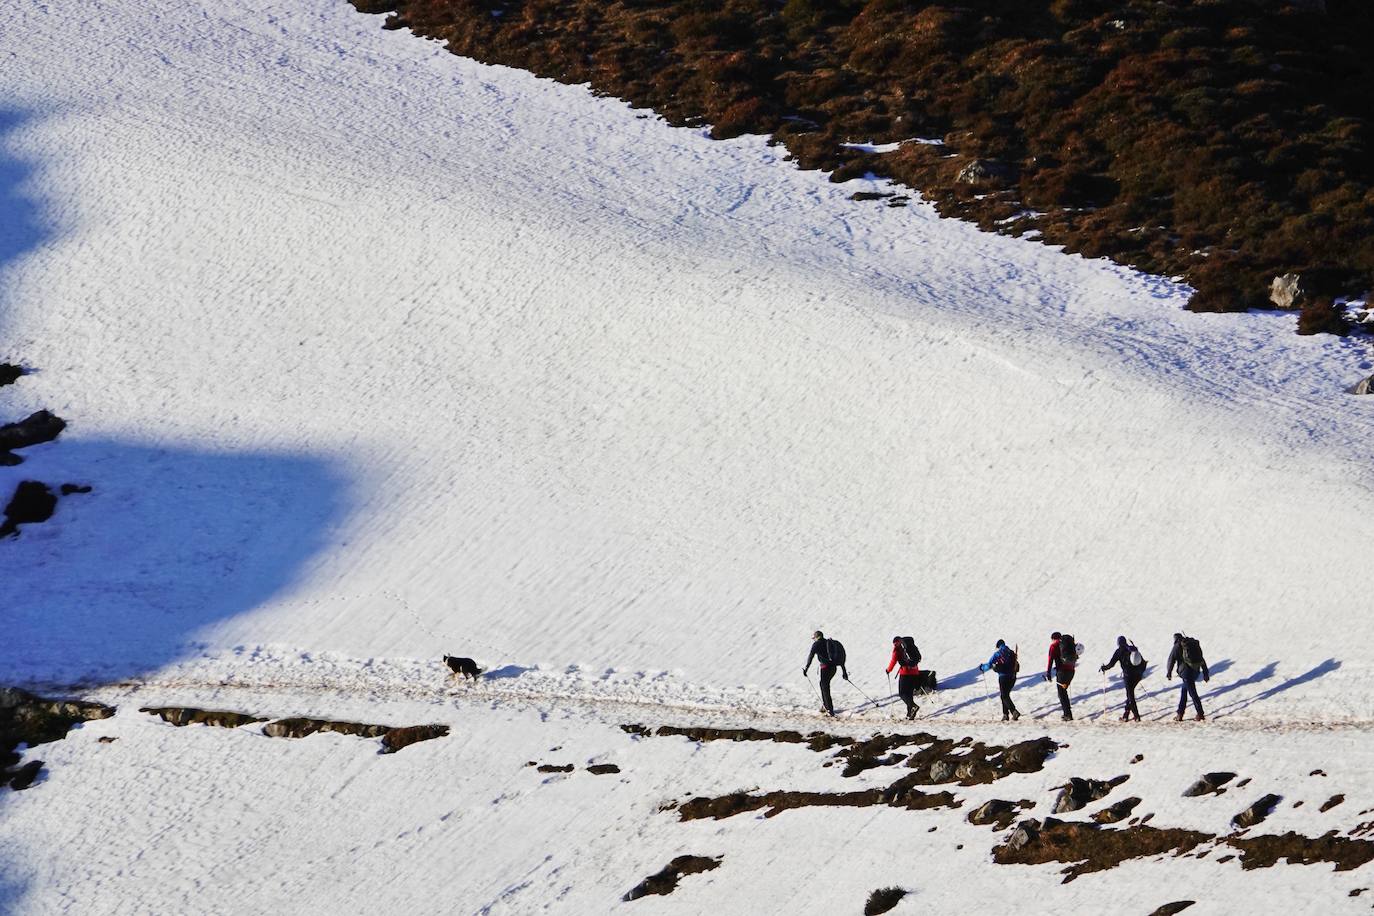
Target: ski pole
x,y
1106,700
814,688
987,694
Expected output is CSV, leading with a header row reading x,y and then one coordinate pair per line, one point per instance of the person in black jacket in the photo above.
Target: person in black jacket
x,y
1187,657
1131,674
821,652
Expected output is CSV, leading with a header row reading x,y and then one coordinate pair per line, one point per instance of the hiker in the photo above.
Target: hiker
x,y
829,653
1132,670
1059,667
906,658
1187,657
1005,663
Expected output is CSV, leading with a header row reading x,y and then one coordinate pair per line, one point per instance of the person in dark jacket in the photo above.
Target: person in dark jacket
x,y
1003,661
908,676
820,651
1059,668
1190,663
1130,674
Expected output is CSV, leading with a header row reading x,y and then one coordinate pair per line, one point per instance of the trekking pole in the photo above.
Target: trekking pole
x,y
987,693
814,689
1106,687
872,702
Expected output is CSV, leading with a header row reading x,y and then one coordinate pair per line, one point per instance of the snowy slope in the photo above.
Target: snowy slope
x,y
372,353
335,316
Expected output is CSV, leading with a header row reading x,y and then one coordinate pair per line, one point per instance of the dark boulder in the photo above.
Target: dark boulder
x,y
1078,792
1209,784
32,502
398,738
34,429
1257,812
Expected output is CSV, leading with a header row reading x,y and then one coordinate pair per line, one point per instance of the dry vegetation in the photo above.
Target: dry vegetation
x,y
1226,141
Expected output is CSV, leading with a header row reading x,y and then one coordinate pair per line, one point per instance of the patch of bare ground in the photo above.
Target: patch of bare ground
x,y
1263,851
882,900
665,881
1228,142
1089,847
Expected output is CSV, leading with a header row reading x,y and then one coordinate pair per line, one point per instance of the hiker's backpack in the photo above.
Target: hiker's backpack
x,y
1068,651
1192,652
1005,661
1134,658
834,650
911,656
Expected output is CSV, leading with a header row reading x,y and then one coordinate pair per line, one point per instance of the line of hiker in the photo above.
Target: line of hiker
x,y
1185,657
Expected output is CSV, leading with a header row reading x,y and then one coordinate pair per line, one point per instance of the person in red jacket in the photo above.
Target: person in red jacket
x,y
907,662
1062,661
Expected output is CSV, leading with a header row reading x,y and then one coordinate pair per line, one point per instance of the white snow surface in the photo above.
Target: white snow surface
x,y
372,353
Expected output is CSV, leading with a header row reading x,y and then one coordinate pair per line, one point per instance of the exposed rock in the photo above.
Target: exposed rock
x,y
300,727
9,374
665,882
1257,812
883,900
603,769
1078,792
1026,832
555,768
1288,291
1169,909
942,771
32,502
1364,386
1331,802
1117,812
1209,784
996,811
397,738
986,172
185,715
34,429
23,777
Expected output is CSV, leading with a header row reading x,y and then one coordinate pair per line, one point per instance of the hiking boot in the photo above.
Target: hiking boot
x,y
911,713
1015,715
1005,717
1068,717
1199,717
1178,718
1137,717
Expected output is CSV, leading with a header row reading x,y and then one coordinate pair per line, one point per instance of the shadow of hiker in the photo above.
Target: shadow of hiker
x,y
1313,674
962,679
22,228
1114,685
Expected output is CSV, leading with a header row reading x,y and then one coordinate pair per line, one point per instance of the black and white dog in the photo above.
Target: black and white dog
x,y
462,666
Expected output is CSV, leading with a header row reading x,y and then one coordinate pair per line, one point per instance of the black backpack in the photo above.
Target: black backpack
x,y
911,656
1068,651
1004,662
834,651
1192,652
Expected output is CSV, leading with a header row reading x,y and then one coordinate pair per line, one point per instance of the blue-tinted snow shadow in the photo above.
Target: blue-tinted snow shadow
x,y
22,226
506,671
170,540
1235,706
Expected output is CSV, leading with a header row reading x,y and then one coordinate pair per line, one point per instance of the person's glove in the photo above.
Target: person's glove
x,y
983,667
806,672
1206,678
845,673
1048,676
1102,668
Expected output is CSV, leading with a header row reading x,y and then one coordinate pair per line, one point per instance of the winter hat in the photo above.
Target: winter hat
x,y
1121,640
896,639
1178,637
817,635
1001,643
1054,635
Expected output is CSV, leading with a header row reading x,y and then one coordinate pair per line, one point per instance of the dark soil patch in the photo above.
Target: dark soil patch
x,y
185,715
816,741
301,727
1088,848
603,769
665,882
1209,140
1263,851
1331,802
883,900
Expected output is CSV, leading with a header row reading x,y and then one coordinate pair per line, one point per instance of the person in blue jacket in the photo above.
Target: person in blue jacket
x,y
1004,662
